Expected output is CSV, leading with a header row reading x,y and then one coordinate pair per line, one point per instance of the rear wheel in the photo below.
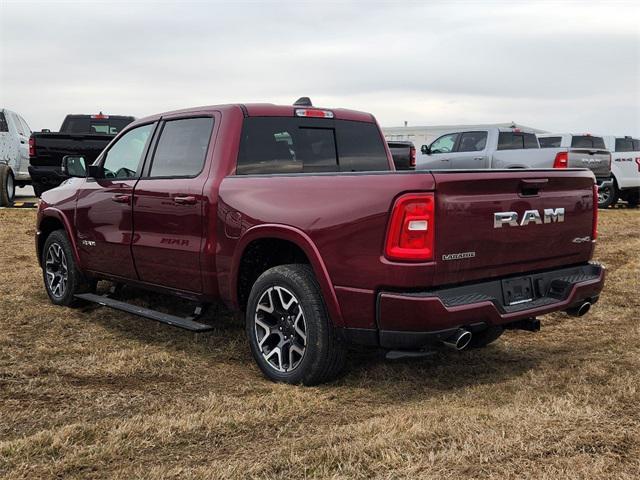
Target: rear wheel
x,y
485,337
633,199
607,196
7,186
290,333
62,279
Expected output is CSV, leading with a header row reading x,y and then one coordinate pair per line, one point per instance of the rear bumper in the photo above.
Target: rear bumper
x,y
413,320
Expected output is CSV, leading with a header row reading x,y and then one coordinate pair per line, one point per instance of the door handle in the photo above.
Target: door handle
x,y
186,200
444,159
478,158
22,142
121,198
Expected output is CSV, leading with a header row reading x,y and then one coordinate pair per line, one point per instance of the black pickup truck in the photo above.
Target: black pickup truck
x,y
403,153
84,135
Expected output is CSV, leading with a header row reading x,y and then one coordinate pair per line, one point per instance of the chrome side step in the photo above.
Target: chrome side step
x,y
188,323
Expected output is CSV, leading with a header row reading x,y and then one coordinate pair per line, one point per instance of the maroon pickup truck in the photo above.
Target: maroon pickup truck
x,y
295,216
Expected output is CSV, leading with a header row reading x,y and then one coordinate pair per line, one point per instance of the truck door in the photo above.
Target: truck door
x,y
440,153
104,208
168,205
470,153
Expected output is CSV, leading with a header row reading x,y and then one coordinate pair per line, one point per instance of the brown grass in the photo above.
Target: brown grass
x,y
96,393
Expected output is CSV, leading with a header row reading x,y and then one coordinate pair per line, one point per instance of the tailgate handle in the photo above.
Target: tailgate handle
x,y
531,186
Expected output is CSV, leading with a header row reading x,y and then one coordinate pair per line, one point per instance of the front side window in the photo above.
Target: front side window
x,y
3,123
472,142
550,142
182,147
124,157
444,144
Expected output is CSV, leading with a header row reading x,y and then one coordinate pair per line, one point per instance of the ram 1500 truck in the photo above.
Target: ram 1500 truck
x,y
14,160
581,150
508,148
296,217
625,171
85,135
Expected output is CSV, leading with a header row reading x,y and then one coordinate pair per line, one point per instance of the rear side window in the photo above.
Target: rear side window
x,y
182,148
472,142
587,141
516,141
272,145
3,123
550,142
624,145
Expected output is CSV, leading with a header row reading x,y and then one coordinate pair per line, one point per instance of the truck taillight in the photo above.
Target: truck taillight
x,y
638,162
412,156
411,228
562,160
311,112
594,229
32,147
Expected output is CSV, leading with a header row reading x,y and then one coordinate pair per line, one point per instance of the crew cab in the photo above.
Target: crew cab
x,y
14,159
295,216
84,135
625,171
581,150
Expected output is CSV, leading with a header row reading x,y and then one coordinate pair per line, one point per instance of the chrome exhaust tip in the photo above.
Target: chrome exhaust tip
x,y
580,310
459,340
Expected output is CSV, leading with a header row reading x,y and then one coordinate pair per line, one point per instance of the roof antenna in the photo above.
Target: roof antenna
x,y
303,102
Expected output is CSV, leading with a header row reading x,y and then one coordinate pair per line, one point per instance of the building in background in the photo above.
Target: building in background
x,y
427,134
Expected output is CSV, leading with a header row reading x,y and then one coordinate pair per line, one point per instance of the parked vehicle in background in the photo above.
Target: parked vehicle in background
x,y
294,216
14,155
485,148
572,150
85,135
625,171
403,153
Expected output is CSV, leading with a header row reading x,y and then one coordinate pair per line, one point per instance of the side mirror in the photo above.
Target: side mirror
x,y
74,166
95,171
425,149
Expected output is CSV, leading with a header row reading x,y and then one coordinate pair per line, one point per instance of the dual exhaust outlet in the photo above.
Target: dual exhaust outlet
x,y
461,338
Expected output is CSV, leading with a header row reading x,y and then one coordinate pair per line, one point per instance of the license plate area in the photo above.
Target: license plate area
x,y
517,290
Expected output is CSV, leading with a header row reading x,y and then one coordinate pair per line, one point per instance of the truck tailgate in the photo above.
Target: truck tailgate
x,y
471,244
598,161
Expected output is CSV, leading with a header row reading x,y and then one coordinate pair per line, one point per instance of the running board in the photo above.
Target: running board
x,y
188,323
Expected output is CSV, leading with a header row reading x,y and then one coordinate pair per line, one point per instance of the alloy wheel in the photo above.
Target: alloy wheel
x,y
56,270
280,329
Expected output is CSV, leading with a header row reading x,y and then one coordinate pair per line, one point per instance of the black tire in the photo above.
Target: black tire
x,y
38,190
58,260
633,199
323,354
607,196
485,337
7,186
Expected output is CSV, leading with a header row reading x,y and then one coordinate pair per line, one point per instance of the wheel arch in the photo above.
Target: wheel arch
x,y
302,244
52,220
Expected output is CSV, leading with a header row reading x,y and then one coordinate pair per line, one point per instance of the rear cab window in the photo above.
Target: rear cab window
x,y
516,141
587,141
277,145
89,125
624,145
550,142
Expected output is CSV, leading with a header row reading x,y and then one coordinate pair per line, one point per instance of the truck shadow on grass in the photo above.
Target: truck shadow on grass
x,y
442,370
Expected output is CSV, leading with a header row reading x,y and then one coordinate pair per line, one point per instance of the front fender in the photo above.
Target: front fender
x,y
302,240
52,212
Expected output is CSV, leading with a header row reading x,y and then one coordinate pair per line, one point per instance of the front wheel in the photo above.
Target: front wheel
x,y
290,333
7,186
62,279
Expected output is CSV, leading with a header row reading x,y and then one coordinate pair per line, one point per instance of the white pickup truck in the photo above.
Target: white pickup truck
x,y
14,155
506,148
582,150
625,170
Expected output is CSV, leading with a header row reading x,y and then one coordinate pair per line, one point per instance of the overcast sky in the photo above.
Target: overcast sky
x,y
551,65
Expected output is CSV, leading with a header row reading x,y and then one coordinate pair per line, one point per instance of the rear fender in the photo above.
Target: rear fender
x,y
302,240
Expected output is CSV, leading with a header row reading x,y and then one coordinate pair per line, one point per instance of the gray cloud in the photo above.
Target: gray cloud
x,y
559,66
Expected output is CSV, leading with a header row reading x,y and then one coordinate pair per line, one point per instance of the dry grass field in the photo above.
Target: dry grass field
x,y
95,393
